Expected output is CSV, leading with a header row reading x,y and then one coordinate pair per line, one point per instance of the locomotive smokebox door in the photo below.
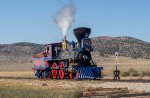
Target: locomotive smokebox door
x,y
86,44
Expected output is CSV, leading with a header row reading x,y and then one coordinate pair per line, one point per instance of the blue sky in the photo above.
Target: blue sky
x,y
31,20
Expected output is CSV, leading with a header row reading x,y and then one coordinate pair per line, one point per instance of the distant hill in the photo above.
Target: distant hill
x,y
18,52
22,48
126,46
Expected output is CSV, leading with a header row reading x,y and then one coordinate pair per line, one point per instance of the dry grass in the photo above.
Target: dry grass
x,y
17,70
10,88
17,74
24,88
22,67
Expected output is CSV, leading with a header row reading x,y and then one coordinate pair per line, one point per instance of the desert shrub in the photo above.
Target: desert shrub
x,y
77,94
125,74
130,72
145,73
133,72
108,96
90,89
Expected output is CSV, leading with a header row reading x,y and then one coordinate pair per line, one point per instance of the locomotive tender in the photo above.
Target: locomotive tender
x,y
68,59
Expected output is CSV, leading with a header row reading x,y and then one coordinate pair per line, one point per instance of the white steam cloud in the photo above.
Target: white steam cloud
x,y
65,18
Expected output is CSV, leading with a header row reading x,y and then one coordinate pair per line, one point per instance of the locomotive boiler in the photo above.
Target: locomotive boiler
x,y
68,59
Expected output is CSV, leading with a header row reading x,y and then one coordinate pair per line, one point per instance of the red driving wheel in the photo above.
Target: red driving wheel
x,y
54,71
70,75
61,70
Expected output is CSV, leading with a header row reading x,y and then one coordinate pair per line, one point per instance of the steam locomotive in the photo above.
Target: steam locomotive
x,y
66,59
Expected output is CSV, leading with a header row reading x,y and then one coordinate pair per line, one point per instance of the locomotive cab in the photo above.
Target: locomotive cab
x,y
52,50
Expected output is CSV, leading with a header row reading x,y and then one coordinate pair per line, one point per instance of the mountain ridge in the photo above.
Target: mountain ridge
x,y
126,46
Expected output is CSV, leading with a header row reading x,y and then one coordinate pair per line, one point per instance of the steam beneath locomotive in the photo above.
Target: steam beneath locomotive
x,y
65,18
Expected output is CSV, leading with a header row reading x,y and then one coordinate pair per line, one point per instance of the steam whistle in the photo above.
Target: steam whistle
x,y
64,44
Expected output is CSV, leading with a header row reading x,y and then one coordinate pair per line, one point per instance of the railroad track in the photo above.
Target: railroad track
x,y
103,80
125,80
18,78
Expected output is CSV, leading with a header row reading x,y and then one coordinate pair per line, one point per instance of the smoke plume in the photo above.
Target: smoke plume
x,y
65,18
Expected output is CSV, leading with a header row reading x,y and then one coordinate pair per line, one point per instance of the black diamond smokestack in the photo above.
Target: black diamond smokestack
x,y
82,32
